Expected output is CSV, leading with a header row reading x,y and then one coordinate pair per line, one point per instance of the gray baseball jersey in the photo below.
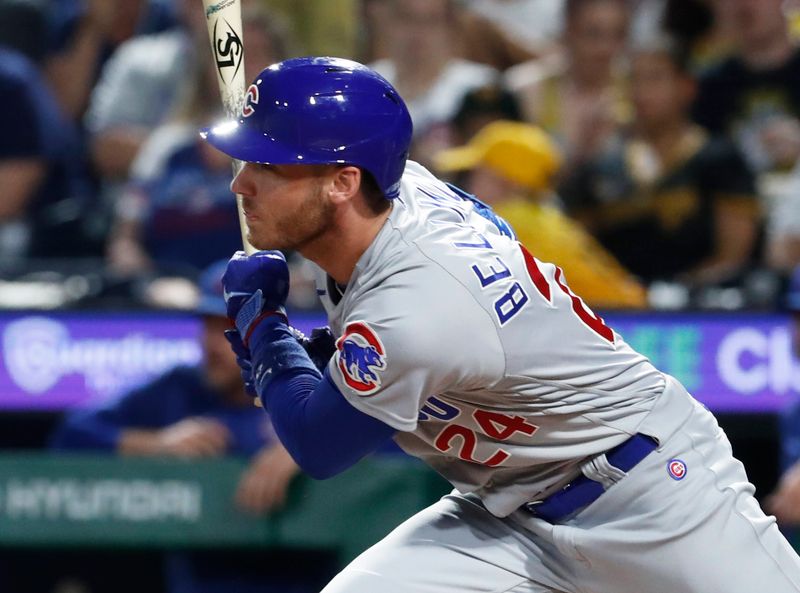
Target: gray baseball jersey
x,y
498,376
491,369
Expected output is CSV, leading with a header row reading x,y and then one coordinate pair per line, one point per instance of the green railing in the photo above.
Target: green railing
x,y
91,501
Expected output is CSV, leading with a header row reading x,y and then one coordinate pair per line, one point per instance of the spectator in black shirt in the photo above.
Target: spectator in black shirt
x,y
670,202
754,95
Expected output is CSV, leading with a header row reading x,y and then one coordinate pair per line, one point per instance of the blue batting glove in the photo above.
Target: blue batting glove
x,y
243,360
255,286
319,347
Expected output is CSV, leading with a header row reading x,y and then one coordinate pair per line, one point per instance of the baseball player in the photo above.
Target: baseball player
x,y
578,467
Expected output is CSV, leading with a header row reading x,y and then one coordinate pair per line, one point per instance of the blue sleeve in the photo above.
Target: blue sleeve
x,y
87,430
321,430
151,406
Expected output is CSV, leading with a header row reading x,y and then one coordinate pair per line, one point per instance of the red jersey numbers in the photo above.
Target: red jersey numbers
x,y
502,426
584,313
455,434
496,426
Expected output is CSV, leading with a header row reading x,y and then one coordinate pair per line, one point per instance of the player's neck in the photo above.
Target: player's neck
x,y
340,249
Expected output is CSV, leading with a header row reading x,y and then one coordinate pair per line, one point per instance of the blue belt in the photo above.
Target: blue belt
x,y
582,491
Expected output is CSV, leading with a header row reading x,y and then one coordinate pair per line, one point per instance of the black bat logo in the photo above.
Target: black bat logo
x,y
227,50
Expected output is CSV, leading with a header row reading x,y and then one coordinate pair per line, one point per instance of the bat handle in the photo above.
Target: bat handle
x,y
248,248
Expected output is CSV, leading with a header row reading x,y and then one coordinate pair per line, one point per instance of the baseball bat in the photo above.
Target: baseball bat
x,y
224,21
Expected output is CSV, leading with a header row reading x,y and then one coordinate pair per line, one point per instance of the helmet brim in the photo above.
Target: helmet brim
x,y
244,143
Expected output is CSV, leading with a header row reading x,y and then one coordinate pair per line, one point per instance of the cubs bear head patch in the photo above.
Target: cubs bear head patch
x,y
361,357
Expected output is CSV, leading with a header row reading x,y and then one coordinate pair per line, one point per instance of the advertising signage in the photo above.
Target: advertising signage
x,y
58,361
731,362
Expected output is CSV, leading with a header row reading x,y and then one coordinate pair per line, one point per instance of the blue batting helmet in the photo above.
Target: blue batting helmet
x,y
321,111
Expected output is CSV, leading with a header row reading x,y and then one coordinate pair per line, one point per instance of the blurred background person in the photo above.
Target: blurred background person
x,y
483,40
199,413
476,37
512,166
704,27
579,95
320,27
83,35
176,213
135,93
533,24
374,31
783,223
668,200
784,501
47,198
424,67
792,10
480,107
754,95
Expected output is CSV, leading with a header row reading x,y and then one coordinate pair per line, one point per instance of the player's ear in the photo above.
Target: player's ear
x,y
345,183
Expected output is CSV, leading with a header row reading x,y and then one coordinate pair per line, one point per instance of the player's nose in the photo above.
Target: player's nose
x,y
242,184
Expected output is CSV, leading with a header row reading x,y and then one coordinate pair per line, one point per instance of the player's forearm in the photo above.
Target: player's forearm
x,y
323,432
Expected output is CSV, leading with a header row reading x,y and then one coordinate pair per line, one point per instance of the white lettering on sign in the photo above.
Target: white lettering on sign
x,y
39,351
750,361
122,500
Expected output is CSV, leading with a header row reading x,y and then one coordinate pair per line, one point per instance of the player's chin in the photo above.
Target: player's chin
x,y
256,235
264,241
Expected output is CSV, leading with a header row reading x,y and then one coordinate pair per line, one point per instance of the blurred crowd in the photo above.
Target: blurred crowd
x,y
648,147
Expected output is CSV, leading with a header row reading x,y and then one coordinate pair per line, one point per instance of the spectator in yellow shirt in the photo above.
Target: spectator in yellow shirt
x,y
511,166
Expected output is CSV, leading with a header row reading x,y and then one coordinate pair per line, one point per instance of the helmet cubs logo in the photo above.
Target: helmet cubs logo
x,y
250,99
360,358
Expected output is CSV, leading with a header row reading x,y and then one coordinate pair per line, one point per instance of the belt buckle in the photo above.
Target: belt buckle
x,y
531,506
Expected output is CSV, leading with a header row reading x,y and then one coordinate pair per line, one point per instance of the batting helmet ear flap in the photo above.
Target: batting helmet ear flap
x,y
321,111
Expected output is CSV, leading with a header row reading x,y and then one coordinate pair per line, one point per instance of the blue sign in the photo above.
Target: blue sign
x,y
731,362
